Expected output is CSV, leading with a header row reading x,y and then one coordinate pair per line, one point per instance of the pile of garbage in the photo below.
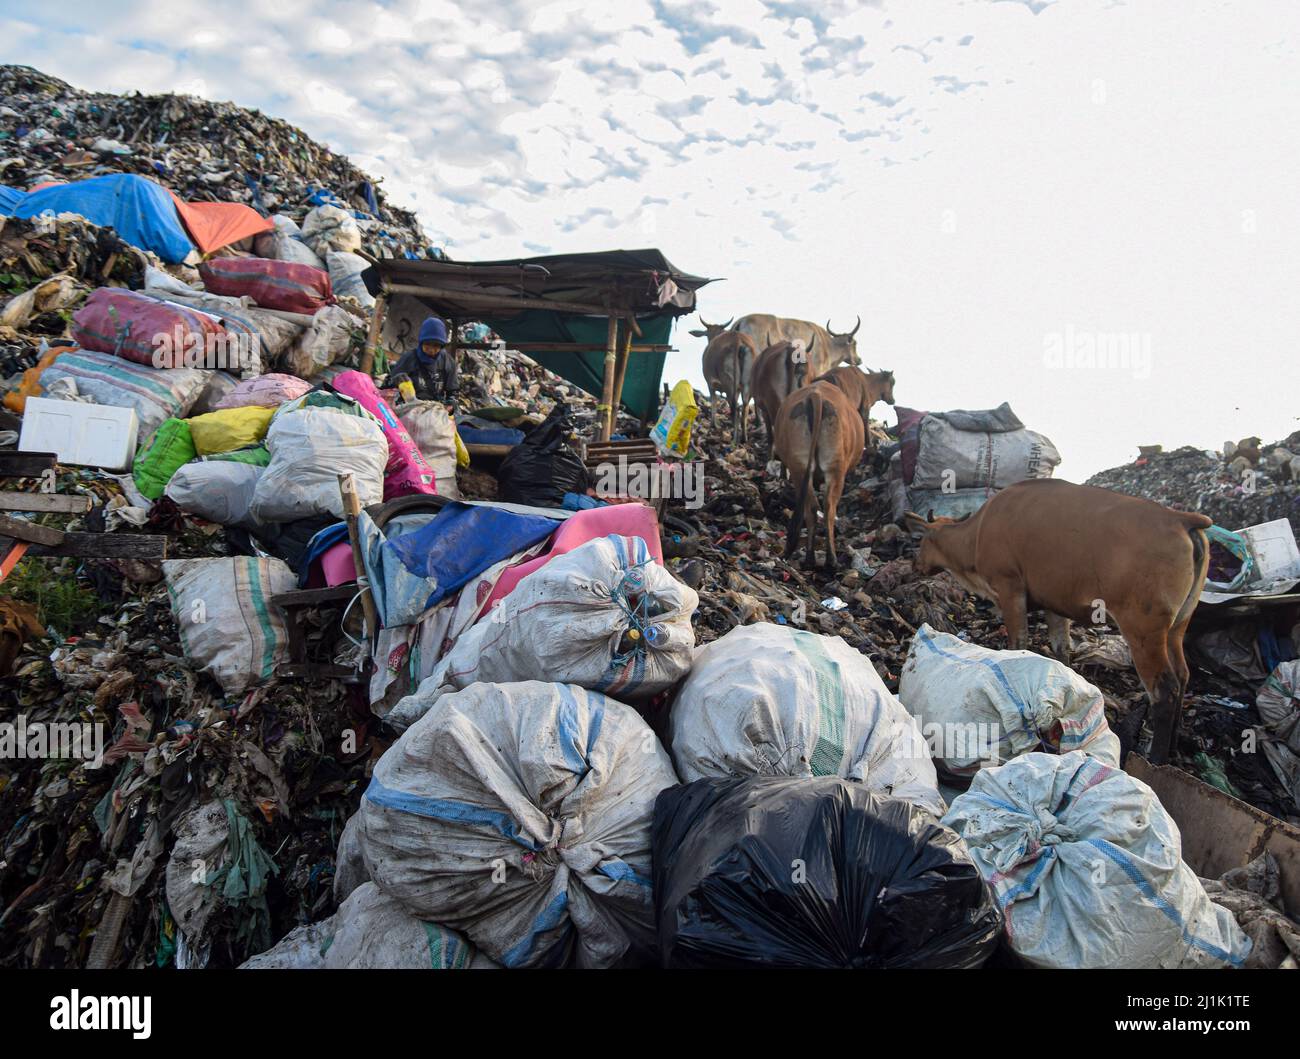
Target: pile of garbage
x,y
349,721
201,150
1244,485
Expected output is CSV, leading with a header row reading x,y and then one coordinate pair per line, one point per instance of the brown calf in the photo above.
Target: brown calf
x,y
1087,555
862,389
819,438
728,366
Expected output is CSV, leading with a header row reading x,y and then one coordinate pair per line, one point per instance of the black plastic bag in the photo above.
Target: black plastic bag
x,y
797,872
542,468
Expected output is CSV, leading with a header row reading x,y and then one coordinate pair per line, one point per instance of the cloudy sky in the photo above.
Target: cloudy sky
x,y
1084,207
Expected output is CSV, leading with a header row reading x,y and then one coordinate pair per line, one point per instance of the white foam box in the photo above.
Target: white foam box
x,y
92,435
1273,546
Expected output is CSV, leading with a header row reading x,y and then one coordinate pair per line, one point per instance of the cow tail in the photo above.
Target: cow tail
x,y
813,410
1200,569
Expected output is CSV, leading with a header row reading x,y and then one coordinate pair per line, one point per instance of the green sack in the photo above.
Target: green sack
x,y
171,448
254,455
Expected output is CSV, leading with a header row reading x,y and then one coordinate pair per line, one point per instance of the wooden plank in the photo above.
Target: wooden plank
x,y
487,450
106,546
64,503
606,407
315,597
500,302
29,532
375,335
352,514
26,464
1221,832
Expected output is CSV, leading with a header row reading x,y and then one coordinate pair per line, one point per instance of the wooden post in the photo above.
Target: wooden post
x,y
620,373
352,513
375,336
606,408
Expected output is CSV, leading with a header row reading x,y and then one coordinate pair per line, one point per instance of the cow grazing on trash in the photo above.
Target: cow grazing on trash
x,y
728,368
1088,555
819,436
827,348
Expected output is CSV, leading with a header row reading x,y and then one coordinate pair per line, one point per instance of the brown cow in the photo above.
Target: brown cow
x,y
819,438
779,370
1089,555
728,366
832,347
863,389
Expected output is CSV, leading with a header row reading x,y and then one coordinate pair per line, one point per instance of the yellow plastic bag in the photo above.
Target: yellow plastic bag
x,y
229,428
672,434
462,453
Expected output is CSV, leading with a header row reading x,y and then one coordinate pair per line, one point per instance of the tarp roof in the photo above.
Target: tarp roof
x,y
560,298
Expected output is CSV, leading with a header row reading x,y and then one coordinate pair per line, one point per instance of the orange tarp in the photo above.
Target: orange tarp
x,y
213,225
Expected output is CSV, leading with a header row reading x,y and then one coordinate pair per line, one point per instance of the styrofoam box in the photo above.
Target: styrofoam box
x,y
93,435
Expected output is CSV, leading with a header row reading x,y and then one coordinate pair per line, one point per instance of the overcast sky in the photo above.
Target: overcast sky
x,y
996,187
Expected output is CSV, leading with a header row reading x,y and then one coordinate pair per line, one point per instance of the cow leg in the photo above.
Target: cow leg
x,y
1058,632
810,516
1177,660
796,523
834,490
1151,660
1011,601
713,410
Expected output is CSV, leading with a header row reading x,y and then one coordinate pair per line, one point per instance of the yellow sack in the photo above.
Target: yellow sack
x,y
462,453
672,434
229,428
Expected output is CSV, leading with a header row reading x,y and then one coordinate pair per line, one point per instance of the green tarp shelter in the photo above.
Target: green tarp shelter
x,y
557,309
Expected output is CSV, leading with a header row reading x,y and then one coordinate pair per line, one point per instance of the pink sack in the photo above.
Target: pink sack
x,y
265,391
627,520
407,471
145,330
282,285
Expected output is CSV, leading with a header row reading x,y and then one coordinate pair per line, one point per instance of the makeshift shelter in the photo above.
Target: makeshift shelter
x,y
603,321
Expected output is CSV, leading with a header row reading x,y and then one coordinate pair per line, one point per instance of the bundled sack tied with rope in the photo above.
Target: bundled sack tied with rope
x,y
800,872
1087,868
604,616
771,700
223,612
370,931
519,814
982,707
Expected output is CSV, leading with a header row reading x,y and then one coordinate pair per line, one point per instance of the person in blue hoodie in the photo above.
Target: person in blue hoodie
x,y
431,366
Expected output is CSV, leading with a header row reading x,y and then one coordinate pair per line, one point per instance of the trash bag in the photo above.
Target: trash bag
x,y
962,450
978,707
672,432
432,429
542,468
771,700
229,428
310,448
220,491
265,391
271,284
329,228
520,815
1087,867
223,612
171,448
144,330
775,871
407,471
156,394
326,341
345,277
370,931
604,616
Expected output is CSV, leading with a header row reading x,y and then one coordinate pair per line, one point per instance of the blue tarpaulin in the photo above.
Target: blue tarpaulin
x,y
9,198
413,571
139,210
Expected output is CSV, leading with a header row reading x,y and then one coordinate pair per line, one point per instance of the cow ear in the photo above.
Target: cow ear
x,y
915,523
